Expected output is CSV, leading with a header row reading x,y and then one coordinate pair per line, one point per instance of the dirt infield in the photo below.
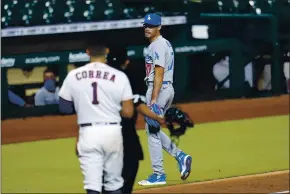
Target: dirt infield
x,y
52,127
260,183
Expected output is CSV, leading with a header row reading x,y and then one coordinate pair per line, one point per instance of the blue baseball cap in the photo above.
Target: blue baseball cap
x,y
152,19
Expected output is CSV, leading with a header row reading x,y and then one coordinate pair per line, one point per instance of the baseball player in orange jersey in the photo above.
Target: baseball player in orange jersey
x,y
98,93
159,64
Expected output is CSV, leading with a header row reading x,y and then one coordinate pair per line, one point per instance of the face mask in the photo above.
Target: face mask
x,y
49,84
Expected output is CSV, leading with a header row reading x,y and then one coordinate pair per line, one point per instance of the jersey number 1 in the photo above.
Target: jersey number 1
x,y
95,93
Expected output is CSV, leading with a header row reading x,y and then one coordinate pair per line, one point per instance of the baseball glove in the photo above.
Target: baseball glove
x,y
154,126
176,115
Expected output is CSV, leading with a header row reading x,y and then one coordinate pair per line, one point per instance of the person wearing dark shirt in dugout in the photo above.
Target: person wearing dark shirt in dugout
x,y
133,152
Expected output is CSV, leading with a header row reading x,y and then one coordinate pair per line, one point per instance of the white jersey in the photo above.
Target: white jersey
x,y
221,71
97,91
160,52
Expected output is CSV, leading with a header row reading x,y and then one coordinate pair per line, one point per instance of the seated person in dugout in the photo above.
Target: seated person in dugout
x,y
48,94
221,73
17,100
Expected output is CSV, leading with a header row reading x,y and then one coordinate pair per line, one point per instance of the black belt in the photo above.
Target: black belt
x,y
98,123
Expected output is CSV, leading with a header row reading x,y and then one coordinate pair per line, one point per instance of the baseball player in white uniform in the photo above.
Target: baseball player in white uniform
x,y
99,94
159,64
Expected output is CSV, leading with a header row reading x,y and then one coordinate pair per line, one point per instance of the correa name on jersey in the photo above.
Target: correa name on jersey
x,y
95,74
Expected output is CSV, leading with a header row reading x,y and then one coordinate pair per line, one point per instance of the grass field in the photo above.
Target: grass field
x,y
219,150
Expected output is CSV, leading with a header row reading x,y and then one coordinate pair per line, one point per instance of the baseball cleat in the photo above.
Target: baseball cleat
x,y
154,179
184,163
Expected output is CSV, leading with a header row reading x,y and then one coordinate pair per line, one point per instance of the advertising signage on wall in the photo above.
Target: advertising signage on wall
x,y
44,59
80,56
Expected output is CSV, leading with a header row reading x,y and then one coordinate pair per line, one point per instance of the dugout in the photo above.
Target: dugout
x,y
62,62
187,49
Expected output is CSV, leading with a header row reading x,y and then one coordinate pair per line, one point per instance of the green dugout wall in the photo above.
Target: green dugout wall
x,y
182,63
